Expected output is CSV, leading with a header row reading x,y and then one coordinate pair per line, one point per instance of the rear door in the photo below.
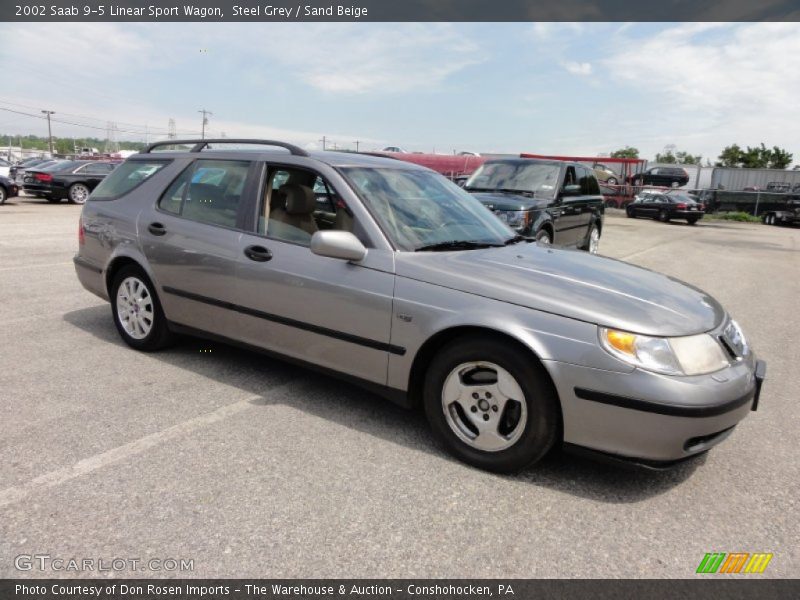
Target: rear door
x,y
191,237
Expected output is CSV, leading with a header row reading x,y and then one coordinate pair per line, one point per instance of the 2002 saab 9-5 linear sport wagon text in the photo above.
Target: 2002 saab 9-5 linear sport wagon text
x,y
387,274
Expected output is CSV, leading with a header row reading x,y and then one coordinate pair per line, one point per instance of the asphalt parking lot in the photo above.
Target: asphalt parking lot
x,y
254,468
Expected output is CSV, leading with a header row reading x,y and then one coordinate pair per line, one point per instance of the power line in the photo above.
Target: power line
x,y
142,132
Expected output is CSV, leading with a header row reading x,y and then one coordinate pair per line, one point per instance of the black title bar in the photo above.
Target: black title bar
x,y
398,10
402,589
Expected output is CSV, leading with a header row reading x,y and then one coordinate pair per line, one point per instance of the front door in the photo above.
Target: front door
x,y
327,311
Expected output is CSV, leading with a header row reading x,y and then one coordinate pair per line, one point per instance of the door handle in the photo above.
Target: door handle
x,y
156,229
258,253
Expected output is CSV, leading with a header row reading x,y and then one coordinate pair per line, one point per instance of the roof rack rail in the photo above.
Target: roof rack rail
x,y
198,145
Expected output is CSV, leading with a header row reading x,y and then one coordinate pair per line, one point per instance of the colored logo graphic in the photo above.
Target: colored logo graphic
x,y
735,562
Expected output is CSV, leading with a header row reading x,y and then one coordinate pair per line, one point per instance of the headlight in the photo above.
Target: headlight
x,y
516,219
691,355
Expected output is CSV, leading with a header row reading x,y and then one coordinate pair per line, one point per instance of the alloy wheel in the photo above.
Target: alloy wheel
x,y
78,193
135,310
484,406
594,241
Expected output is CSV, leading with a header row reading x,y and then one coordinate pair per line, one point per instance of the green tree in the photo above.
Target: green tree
x,y
626,152
678,158
780,159
758,157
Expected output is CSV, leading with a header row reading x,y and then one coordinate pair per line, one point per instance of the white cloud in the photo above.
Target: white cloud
x,y
578,68
352,59
712,84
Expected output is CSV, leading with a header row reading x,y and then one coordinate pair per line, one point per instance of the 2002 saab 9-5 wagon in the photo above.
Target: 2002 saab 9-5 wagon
x,y
388,274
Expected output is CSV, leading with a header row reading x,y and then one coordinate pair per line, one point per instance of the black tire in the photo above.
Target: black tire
x,y
631,213
543,236
542,425
663,216
610,204
612,181
691,221
159,335
52,200
3,195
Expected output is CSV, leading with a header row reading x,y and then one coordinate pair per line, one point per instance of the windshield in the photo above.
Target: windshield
x,y
536,178
418,209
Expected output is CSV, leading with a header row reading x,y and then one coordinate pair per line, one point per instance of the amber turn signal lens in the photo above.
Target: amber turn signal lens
x,y
624,342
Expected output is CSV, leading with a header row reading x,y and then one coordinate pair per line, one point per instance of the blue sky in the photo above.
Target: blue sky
x,y
550,88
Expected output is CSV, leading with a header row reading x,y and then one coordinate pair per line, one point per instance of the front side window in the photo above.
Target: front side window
x,y
297,203
421,210
126,177
209,191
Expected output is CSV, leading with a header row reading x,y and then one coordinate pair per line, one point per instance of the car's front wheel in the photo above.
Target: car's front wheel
x,y
3,195
491,404
78,193
611,181
691,221
137,311
631,213
663,216
543,237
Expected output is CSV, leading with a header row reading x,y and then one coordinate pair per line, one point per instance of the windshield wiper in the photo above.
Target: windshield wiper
x,y
457,245
520,192
519,238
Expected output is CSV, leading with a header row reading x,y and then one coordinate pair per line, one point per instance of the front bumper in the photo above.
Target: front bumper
x,y
649,417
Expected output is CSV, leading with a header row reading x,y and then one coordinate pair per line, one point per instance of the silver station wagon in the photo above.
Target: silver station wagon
x,y
386,273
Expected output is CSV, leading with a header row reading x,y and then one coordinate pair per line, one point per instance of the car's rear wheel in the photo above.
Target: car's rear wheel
x,y
691,221
543,237
78,193
612,181
3,195
663,216
137,312
491,404
592,244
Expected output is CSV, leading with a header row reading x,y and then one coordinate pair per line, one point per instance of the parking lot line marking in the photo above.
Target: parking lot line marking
x,y
60,264
98,461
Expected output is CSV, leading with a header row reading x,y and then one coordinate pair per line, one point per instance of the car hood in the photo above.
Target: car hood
x,y
508,201
573,284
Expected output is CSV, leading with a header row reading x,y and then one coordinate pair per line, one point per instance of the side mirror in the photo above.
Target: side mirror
x,y
571,190
338,244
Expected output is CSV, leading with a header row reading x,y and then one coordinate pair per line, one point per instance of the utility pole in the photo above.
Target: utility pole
x,y
323,142
49,129
205,121
357,143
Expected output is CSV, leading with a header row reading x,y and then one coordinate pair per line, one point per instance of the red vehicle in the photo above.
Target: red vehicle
x,y
451,166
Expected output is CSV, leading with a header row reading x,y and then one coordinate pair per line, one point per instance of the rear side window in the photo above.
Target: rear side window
x,y
209,191
126,177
